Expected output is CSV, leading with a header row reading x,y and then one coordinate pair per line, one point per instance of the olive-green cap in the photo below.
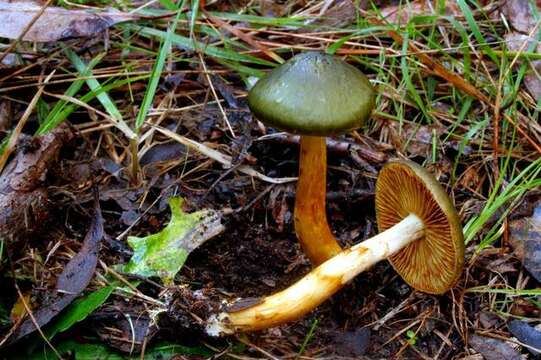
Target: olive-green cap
x,y
434,263
313,94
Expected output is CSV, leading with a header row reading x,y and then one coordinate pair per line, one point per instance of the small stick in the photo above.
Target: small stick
x,y
379,323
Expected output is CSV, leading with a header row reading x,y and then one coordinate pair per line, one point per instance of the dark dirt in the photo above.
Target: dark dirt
x,y
258,254
376,316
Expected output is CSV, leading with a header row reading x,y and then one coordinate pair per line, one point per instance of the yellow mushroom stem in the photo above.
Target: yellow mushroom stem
x,y
311,226
318,285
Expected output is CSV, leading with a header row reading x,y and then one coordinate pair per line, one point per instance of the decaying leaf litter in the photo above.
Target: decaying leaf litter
x,y
155,108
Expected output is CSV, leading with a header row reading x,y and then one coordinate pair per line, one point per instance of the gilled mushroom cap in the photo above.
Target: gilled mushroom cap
x,y
313,94
434,263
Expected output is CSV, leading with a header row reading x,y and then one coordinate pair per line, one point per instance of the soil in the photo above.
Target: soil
x,y
257,255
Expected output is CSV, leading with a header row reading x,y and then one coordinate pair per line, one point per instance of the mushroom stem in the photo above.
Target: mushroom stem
x,y
311,226
318,285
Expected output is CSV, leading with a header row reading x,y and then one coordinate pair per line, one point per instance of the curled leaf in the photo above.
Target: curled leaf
x,y
163,254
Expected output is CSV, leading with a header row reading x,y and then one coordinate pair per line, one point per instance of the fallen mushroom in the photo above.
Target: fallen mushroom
x,y
423,240
314,95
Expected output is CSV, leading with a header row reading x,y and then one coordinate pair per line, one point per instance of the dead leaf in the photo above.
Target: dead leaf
x,y
226,90
520,15
516,41
524,308
164,152
489,320
80,269
271,8
73,280
501,265
339,13
532,79
404,12
23,202
416,140
164,253
55,23
525,238
526,334
493,349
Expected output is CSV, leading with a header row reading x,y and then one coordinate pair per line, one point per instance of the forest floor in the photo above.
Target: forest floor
x,y
149,103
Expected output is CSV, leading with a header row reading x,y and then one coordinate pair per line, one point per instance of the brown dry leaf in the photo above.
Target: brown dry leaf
x,y
494,349
532,80
520,15
72,281
339,13
416,140
55,23
403,13
524,308
471,178
23,201
525,238
271,8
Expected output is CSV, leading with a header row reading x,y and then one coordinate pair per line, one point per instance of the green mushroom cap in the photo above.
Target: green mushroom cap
x,y
313,94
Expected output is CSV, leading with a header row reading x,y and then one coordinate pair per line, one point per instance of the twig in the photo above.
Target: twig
x,y
221,158
379,323
209,81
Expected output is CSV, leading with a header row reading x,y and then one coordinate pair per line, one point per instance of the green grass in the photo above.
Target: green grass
x,y
102,96
307,338
156,72
409,96
503,198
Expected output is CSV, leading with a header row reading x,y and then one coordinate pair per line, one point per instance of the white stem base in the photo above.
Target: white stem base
x,y
321,283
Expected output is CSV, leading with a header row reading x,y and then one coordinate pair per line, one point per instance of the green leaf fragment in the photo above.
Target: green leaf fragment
x,y
79,310
163,254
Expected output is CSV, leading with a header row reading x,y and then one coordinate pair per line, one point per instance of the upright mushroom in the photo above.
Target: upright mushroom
x,y
314,95
422,239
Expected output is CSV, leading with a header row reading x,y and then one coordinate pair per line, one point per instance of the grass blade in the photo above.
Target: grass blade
x,y
209,50
156,74
102,96
55,118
